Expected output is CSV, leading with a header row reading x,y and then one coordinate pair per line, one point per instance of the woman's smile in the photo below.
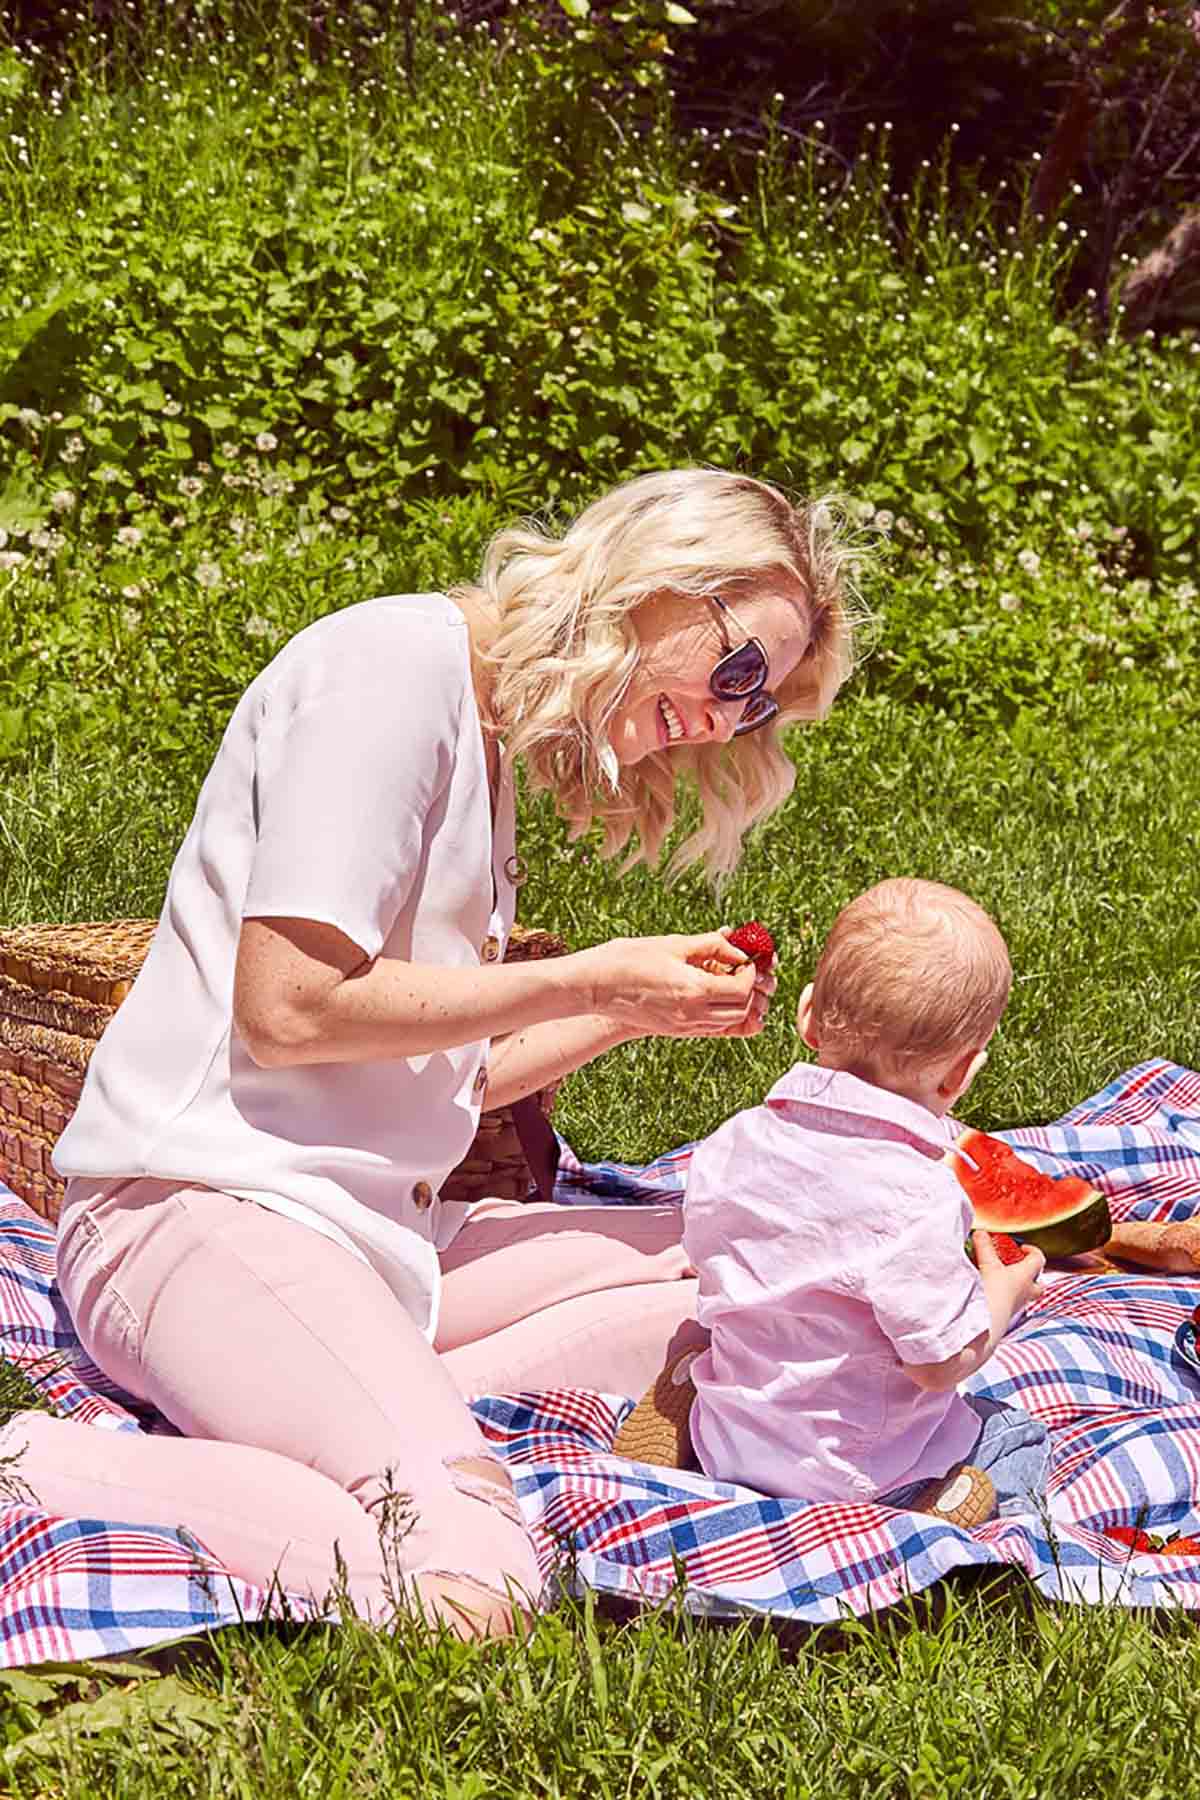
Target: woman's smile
x,y
672,728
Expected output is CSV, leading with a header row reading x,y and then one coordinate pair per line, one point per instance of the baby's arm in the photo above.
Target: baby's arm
x,y
1006,1288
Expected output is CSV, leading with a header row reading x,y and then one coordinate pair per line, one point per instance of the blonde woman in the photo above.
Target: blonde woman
x,y
253,1239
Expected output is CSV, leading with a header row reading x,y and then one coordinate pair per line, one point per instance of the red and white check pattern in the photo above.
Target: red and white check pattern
x,y
1093,1357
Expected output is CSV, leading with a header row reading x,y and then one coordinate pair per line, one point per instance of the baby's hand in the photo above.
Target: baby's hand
x,y
1016,1282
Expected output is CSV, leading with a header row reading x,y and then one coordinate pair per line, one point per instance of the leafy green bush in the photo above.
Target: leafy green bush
x,y
279,332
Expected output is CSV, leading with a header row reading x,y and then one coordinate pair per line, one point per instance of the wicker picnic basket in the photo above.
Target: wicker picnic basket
x,y
59,987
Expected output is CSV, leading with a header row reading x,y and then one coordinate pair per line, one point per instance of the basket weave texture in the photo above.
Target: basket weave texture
x,y
59,987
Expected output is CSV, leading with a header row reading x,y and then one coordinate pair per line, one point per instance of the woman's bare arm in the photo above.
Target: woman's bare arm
x,y
525,1061
304,993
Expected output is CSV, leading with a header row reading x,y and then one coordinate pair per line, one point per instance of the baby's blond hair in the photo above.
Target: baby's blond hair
x,y
912,970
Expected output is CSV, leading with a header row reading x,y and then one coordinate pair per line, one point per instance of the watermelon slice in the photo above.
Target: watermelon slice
x,y
1062,1215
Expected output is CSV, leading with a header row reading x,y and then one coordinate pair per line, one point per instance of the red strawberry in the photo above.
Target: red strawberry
x,y
757,943
1133,1539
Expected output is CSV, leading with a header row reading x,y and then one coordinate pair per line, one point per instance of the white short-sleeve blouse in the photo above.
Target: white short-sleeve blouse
x,y
351,788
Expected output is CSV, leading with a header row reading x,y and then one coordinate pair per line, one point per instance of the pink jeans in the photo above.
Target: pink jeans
x,y
318,1423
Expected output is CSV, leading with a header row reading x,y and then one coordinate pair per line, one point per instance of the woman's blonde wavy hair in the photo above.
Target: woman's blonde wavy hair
x,y
566,649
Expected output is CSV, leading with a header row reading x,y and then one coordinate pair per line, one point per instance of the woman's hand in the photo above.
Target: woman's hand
x,y
657,986
760,1005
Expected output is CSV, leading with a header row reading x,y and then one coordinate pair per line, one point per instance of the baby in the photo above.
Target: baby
x,y
828,1233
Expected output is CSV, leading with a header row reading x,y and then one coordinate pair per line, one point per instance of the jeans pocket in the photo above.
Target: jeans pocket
x,y
105,1323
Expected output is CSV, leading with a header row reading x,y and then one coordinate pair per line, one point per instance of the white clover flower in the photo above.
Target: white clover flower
x,y
208,574
266,441
884,520
258,627
1083,532
72,450
41,539
132,591
230,450
190,486
130,534
340,513
1029,560
1010,602
272,485
11,559
63,501
30,418
172,408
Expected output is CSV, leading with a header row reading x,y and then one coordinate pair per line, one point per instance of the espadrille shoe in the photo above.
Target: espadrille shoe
x,y
964,1497
656,1431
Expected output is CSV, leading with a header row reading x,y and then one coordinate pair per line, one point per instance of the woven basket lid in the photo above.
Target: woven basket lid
x,y
95,961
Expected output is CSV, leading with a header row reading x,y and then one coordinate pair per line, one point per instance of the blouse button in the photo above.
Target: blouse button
x,y
490,949
422,1195
481,1078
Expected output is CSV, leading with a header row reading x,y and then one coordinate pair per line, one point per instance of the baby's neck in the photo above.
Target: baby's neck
x,y
921,1088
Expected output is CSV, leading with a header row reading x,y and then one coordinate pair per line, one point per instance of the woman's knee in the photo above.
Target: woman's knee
x,y
468,1608
458,1528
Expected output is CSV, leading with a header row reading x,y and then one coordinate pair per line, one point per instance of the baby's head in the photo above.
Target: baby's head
x,y
908,990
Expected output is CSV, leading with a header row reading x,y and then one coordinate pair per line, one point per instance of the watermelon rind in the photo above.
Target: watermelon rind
x,y
1087,1229
1079,1219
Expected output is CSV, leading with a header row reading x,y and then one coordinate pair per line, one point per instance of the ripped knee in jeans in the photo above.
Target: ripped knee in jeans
x,y
485,1478
471,1608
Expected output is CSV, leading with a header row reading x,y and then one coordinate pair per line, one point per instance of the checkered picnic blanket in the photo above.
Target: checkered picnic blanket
x,y
1093,1357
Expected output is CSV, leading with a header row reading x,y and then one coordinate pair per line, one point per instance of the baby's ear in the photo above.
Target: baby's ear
x,y
804,1018
962,1073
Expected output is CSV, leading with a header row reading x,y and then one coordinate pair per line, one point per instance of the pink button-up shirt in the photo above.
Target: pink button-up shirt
x,y
828,1233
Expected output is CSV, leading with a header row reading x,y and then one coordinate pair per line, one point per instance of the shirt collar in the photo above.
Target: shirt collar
x,y
807,1091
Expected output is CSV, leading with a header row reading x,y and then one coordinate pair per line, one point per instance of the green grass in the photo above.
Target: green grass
x,y
477,293
1082,842
992,1699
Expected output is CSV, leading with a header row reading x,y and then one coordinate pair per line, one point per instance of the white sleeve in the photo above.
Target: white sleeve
x,y
344,784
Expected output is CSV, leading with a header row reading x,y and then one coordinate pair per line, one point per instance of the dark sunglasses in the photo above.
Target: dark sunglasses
x,y
741,674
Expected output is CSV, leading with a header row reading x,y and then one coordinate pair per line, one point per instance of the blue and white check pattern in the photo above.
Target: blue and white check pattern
x,y
1093,1358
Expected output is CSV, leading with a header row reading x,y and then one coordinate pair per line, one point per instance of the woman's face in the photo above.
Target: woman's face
x,y
669,701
